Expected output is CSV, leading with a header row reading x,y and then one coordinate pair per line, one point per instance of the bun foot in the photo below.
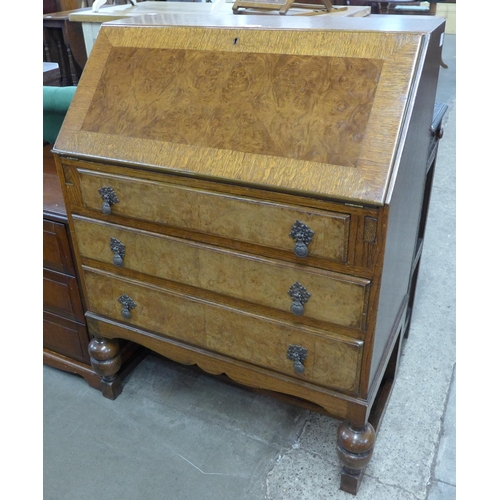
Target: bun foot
x,y
106,361
355,450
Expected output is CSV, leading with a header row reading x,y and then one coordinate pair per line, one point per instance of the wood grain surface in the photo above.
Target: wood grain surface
x,y
299,111
302,107
331,362
335,298
217,138
260,222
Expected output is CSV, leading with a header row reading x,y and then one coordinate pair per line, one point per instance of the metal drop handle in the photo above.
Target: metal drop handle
x,y
302,234
109,198
298,355
300,296
118,249
127,305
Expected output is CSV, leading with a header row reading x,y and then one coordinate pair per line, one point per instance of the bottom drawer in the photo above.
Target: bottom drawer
x,y
65,337
61,295
331,361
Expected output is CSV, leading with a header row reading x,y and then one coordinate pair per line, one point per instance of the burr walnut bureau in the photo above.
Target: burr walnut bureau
x,y
245,194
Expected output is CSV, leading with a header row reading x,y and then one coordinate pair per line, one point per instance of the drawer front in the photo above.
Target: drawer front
x,y
332,362
65,337
333,297
61,295
56,249
243,219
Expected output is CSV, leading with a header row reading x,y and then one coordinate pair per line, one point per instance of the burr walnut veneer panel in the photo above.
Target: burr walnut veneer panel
x,y
291,106
122,126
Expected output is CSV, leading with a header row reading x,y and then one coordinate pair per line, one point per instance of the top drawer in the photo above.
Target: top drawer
x,y
248,220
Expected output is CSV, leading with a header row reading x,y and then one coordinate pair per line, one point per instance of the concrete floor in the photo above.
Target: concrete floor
x,y
178,434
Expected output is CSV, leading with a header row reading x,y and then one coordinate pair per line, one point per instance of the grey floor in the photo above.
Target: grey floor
x,y
178,434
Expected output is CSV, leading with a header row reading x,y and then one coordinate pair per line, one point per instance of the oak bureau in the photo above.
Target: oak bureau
x,y
245,194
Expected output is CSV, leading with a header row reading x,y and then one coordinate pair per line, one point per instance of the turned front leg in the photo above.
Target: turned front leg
x,y
106,361
355,450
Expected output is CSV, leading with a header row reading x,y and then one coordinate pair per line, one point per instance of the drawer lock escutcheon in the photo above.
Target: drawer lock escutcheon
x,y
108,198
127,305
302,234
118,249
300,296
298,355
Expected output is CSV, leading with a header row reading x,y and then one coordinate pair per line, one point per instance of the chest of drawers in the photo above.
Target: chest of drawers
x,y
65,337
65,334
248,199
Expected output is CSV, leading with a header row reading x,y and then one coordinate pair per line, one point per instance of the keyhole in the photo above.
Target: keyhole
x,y
235,41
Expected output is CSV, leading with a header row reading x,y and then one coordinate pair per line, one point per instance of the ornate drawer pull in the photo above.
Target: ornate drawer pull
x,y
298,355
300,296
127,305
118,249
108,198
302,234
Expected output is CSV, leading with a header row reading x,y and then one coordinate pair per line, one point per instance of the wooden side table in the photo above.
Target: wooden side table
x,y
63,43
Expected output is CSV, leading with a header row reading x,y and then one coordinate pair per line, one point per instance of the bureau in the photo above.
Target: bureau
x,y
247,194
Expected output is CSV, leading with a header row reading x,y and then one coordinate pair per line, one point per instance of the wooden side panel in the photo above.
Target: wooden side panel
x,y
405,202
331,362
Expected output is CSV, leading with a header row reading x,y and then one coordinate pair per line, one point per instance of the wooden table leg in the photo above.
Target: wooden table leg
x,y
355,450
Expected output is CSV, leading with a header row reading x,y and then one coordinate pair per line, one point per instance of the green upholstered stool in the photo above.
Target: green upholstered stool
x,y
56,101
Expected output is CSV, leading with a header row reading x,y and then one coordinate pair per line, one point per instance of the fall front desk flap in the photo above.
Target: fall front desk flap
x,y
310,108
